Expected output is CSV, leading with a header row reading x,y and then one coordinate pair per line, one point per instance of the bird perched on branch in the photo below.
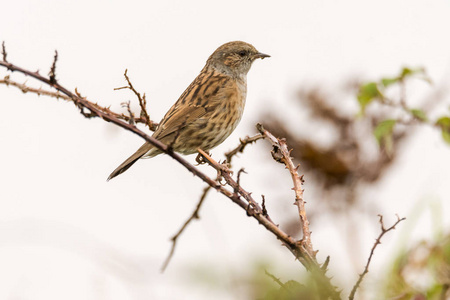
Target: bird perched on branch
x,y
209,109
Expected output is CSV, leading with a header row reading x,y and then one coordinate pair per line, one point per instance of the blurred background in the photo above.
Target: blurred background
x,y
66,233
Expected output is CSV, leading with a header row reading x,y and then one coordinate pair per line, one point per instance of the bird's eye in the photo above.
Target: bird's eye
x,y
242,53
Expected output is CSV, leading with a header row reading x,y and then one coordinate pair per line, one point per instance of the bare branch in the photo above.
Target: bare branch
x,y
377,242
142,102
193,216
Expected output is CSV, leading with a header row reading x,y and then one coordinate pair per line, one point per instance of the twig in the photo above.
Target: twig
x,y
238,179
25,89
277,280
281,153
142,102
238,190
240,148
377,242
130,113
193,216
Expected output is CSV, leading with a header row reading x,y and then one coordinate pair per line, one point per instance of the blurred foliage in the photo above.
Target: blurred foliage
x,y
364,141
256,282
377,90
444,124
422,272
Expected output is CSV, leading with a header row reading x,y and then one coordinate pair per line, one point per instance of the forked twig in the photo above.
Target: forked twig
x,y
142,102
377,242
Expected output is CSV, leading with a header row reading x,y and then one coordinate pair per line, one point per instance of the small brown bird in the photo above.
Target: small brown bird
x,y
209,109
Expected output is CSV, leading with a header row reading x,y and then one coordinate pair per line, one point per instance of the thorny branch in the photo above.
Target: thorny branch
x,y
302,250
39,91
377,242
281,153
241,197
25,89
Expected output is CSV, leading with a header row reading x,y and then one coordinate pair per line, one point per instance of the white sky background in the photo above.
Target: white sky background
x,y
65,233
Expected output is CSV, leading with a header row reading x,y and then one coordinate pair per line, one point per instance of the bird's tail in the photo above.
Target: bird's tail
x,y
144,149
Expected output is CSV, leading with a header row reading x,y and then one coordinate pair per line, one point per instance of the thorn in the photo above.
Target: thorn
x,y
4,54
52,73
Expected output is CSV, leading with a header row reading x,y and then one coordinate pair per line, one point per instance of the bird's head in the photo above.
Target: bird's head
x,y
234,58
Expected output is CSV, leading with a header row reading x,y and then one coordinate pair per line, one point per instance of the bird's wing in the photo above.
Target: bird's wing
x,y
179,118
202,96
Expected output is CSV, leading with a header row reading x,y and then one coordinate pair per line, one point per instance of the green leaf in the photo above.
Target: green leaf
x,y
446,136
417,72
367,93
383,129
409,72
406,72
419,114
444,124
389,81
383,134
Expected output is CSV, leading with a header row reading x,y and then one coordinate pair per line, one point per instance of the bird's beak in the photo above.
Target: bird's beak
x,y
260,55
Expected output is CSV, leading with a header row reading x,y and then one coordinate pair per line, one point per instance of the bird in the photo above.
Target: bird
x,y
209,110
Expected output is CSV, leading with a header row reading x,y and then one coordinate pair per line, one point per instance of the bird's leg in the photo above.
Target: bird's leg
x,y
200,159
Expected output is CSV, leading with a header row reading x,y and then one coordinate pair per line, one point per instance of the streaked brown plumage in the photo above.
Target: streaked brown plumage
x,y
209,109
